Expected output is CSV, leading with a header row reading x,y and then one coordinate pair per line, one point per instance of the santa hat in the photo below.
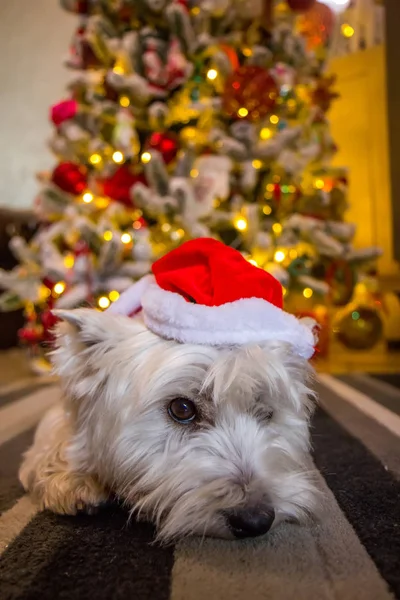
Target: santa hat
x,y
207,293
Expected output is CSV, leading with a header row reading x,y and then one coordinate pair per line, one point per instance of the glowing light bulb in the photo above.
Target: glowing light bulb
x,y
146,157
87,197
319,184
265,133
118,157
212,74
243,112
126,238
240,224
307,292
95,159
194,173
279,256
165,227
253,262
124,101
347,30
103,302
277,228
113,295
59,287
257,164
107,235
247,52
69,261
274,119
267,210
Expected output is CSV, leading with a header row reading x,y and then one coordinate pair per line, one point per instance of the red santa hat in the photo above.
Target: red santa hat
x,y
207,293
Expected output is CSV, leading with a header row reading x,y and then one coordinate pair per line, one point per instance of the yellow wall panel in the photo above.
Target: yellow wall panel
x,y
359,127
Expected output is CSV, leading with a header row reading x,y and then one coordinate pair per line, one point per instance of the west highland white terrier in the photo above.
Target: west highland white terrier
x,y
199,438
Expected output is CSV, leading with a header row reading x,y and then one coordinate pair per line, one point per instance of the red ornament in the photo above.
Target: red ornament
x,y
31,334
300,5
250,93
49,320
166,144
118,186
70,177
63,111
316,25
80,7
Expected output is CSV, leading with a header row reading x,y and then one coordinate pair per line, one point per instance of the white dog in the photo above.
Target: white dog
x,y
200,439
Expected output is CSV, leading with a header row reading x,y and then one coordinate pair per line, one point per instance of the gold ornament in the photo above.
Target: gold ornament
x,y
360,328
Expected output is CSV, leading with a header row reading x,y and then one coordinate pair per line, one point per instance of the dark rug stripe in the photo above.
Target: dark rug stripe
x,y
15,395
365,491
391,378
10,459
389,401
86,558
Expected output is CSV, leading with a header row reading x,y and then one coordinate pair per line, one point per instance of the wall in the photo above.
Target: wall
x,y
359,126
34,38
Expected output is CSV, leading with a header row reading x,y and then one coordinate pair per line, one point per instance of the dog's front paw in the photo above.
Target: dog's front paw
x,y
70,493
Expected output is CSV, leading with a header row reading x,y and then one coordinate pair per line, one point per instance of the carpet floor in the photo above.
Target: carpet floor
x,y
352,553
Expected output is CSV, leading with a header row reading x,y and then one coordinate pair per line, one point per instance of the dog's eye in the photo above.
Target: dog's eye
x,y
182,410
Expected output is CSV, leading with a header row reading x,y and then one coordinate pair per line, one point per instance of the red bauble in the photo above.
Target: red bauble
x,y
118,186
250,93
166,144
70,177
48,319
317,24
300,5
31,335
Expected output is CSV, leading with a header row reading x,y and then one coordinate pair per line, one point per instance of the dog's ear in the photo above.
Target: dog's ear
x,y
84,325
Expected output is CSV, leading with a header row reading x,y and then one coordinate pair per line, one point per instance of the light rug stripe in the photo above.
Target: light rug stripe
x,y
25,413
381,442
14,520
324,561
363,403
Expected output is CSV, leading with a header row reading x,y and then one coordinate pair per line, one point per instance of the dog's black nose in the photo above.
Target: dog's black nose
x,y
250,522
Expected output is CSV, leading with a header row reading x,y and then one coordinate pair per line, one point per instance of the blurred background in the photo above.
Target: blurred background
x,y
329,226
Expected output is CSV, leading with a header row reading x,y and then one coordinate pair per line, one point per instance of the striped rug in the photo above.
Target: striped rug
x,y
352,553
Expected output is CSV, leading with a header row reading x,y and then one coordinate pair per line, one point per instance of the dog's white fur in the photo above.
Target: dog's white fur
x,y
113,433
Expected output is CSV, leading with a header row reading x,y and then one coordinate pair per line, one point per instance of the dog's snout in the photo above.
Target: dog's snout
x,y
250,522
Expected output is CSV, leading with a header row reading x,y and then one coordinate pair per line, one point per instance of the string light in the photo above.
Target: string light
x,y
274,119
347,30
103,302
257,164
194,173
69,261
124,101
279,256
118,157
195,10
293,253
59,287
265,133
212,74
146,157
307,292
113,295
270,187
95,159
87,197
267,210
126,238
277,228
253,262
319,184
137,225
247,52
243,112
240,224
118,69
165,227
107,235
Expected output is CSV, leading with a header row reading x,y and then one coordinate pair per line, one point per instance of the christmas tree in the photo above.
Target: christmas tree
x,y
182,119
